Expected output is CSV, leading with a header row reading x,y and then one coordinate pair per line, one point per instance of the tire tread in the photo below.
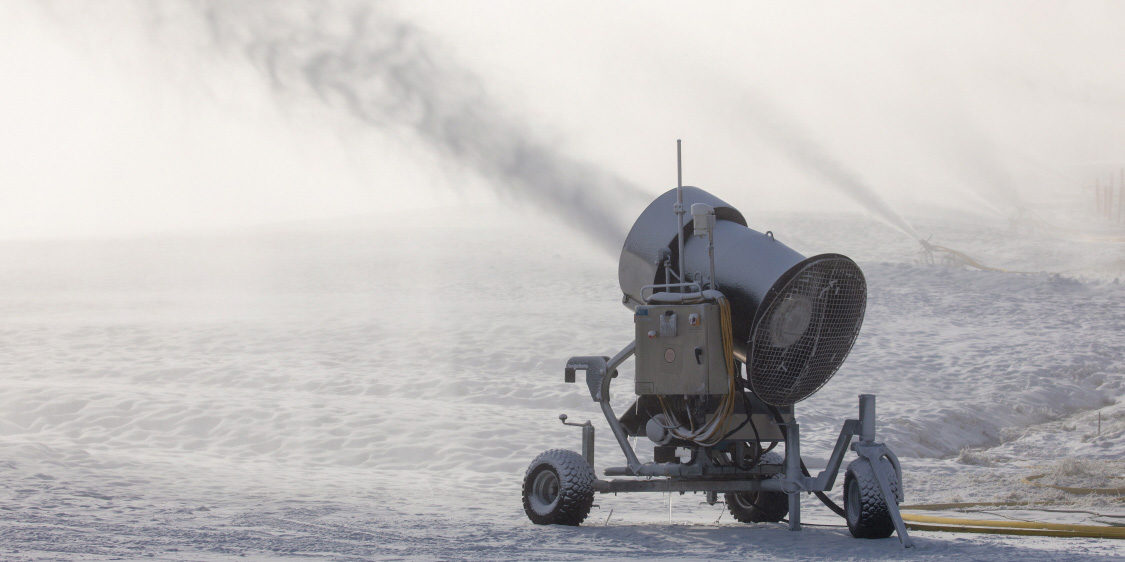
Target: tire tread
x,y
576,487
769,506
874,516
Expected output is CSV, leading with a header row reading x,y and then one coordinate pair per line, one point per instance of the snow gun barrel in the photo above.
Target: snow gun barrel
x,y
794,318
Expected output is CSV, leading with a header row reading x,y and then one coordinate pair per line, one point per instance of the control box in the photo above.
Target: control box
x,y
680,350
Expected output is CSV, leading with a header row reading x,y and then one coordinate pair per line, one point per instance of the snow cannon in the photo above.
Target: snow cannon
x,y
776,295
732,328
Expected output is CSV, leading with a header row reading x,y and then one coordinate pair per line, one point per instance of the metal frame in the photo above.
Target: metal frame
x,y
704,476
706,472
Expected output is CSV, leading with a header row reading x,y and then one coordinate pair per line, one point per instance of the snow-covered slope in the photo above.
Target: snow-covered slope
x,y
366,390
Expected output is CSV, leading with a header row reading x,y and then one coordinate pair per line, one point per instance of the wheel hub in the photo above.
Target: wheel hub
x,y
545,490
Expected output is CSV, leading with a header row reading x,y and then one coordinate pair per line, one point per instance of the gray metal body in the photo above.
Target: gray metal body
x,y
704,475
748,262
793,319
679,350
653,237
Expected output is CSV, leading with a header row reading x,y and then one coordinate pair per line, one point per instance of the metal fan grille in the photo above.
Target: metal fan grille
x,y
807,330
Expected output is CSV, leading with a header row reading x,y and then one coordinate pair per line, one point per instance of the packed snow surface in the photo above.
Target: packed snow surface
x,y
373,390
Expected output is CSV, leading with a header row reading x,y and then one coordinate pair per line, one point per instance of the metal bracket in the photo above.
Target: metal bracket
x,y
595,367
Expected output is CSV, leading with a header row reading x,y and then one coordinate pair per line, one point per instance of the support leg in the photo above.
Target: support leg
x,y
794,511
793,473
892,504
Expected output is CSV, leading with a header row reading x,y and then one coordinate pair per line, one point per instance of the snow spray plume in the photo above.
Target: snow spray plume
x,y
387,74
798,146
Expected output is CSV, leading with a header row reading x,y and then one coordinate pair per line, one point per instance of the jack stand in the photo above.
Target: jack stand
x,y
587,438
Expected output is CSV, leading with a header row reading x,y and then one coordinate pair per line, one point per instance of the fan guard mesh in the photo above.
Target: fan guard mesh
x,y
807,330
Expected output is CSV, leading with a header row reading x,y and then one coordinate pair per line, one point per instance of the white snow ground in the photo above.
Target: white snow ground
x,y
362,390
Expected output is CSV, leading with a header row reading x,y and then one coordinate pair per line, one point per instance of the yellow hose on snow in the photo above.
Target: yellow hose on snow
x,y
1025,528
1095,532
1005,527
1080,491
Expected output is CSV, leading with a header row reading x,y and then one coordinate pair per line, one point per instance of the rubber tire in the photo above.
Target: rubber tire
x,y
558,488
866,510
761,506
757,507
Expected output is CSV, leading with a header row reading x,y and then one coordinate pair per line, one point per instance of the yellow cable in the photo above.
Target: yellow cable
x,y
965,505
1114,532
713,432
997,531
1081,491
960,525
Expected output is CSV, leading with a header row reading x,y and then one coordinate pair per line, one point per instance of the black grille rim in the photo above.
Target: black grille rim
x,y
814,371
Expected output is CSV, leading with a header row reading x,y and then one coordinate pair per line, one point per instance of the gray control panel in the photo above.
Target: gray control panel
x,y
680,350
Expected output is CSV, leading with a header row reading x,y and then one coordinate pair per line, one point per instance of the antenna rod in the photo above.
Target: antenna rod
x,y
679,209
679,168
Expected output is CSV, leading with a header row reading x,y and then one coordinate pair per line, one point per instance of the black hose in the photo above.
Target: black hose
x,y
824,497
804,470
748,420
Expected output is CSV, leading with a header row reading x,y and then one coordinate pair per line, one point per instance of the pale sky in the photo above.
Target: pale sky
x,y
128,116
